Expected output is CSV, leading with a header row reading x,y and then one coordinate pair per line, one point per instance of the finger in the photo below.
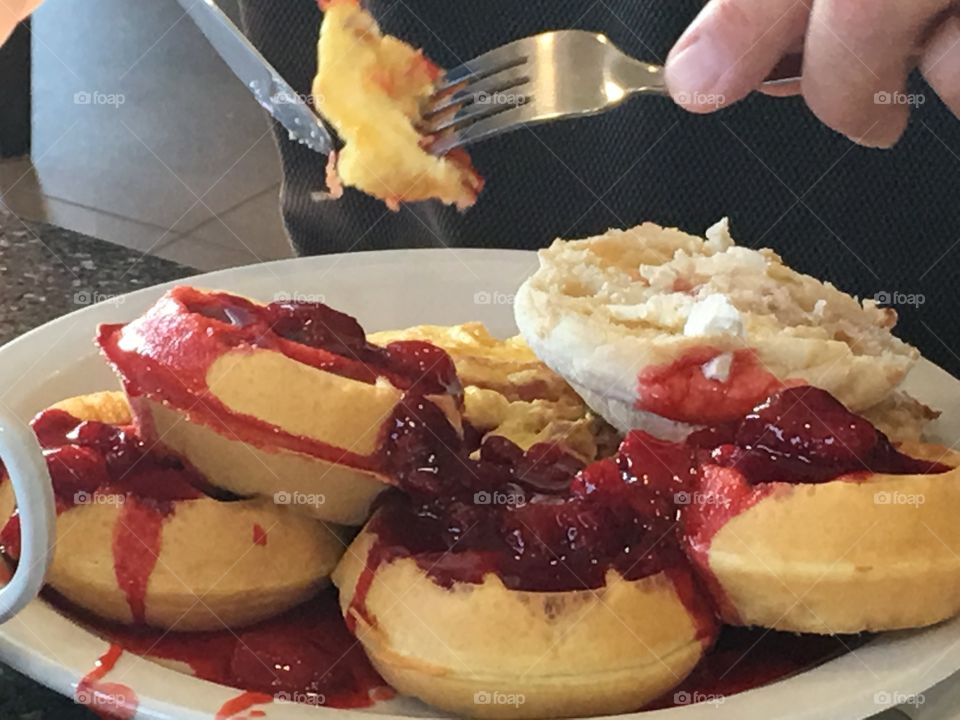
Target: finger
x,y
11,13
730,48
940,62
856,60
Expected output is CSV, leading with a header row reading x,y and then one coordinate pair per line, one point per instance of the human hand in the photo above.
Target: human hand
x,y
11,13
856,58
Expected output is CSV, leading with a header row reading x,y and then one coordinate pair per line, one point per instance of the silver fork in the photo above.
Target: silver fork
x,y
551,76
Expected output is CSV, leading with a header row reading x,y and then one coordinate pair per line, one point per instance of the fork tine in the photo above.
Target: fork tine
x,y
487,126
474,92
492,61
456,118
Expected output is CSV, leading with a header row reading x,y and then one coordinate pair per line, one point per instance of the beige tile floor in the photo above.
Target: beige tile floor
x,y
143,137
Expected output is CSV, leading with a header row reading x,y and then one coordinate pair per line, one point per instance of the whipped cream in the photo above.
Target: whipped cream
x,y
713,315
718,368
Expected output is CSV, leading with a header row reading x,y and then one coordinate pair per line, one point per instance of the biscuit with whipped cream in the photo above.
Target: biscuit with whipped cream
x,y
665,331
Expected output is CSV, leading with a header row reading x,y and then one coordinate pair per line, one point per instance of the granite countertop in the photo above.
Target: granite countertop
x,y
46,272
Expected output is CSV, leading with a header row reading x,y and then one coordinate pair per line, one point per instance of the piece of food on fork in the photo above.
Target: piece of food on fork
x,y
370,87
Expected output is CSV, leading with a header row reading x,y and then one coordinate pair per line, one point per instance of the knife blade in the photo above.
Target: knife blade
x,y
274,94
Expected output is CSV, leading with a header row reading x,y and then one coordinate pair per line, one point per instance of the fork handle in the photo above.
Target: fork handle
x,y
638,77
635,76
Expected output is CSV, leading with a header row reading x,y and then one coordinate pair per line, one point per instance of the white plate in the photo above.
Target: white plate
x,y
384,290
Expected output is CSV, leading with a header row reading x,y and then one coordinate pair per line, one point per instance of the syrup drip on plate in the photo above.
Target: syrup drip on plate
x,y
107,700
740,660
243,702
306,655
747,658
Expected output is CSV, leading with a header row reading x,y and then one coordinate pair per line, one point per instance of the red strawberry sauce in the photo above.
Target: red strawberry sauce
x,y
166,353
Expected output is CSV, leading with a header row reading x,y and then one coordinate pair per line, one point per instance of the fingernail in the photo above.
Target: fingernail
x,y
876,141
695,70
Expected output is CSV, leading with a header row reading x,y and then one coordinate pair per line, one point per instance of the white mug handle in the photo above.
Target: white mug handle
x,y
27,473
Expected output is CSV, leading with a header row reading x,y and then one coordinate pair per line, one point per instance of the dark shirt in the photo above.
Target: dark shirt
x,y
870,221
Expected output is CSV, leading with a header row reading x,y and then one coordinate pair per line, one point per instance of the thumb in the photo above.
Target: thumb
x,y
731,48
